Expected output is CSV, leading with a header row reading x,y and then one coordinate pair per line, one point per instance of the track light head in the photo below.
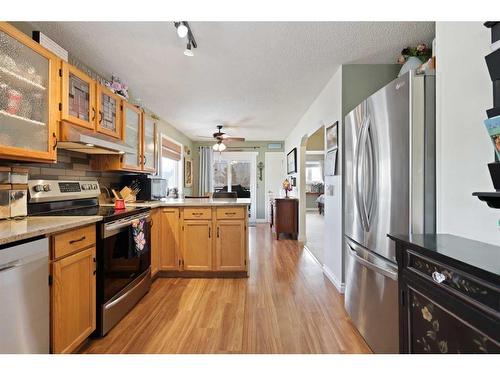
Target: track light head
x,y
182,29
188,51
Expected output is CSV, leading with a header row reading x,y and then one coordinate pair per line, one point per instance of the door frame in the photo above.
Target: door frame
x,y
250,156
267,157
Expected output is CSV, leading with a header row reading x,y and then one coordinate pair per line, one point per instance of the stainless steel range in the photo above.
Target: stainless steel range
x,y
123,243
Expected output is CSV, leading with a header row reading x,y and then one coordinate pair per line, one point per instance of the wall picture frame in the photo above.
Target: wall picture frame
x,y
332,136
330,162
291,161
188,173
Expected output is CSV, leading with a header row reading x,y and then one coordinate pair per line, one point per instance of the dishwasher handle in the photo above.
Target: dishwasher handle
x,y
10,265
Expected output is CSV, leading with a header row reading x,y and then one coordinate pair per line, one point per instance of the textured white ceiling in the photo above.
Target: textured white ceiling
x,y
256,77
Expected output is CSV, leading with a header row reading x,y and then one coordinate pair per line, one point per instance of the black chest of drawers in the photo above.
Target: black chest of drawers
x,y
449,294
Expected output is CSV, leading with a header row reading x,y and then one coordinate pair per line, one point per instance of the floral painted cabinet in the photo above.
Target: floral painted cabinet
x,y
449,295
435,329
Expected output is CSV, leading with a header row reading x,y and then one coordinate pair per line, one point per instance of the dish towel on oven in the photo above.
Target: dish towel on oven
x,y
138,236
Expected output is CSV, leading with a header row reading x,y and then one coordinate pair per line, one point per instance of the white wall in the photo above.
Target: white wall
x,y
463,93
325,110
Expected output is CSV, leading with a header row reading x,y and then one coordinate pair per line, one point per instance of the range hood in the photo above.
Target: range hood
x,y
86,141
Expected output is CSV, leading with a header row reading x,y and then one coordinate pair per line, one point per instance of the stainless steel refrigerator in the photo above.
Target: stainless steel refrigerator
x,y
389,185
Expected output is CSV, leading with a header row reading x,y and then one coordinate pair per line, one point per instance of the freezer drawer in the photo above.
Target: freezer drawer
x,y
371,297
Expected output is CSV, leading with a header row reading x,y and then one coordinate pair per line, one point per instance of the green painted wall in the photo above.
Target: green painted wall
x,y
359,81
255,146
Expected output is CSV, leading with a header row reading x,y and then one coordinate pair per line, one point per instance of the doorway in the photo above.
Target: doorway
x,y
236,171
314,193
274,177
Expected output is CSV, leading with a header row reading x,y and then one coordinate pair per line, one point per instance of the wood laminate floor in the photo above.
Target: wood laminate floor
x,y
286,306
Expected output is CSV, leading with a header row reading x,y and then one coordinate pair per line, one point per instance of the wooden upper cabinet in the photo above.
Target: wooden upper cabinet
x,y
230,249
29,93
108,104
78,97
149,144
132,136
197,245
73,300
169,240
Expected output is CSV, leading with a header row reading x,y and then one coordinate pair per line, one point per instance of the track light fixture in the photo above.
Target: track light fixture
x,y
188,51
183,30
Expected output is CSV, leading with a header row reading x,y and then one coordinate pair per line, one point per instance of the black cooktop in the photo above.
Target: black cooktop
x,y
82,208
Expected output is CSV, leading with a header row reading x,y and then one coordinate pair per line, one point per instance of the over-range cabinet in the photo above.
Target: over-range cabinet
x,y
389,188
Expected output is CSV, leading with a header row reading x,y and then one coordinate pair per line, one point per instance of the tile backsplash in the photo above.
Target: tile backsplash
x,y
70,166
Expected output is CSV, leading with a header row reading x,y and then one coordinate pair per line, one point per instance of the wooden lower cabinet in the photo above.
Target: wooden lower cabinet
x,y
169,240
197,245
230,249
73,300
156,233
201,240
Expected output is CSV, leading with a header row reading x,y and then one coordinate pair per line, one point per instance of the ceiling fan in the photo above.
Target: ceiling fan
x,y
222,138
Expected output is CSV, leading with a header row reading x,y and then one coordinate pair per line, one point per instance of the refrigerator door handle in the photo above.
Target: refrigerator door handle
x,y
360,156
386,271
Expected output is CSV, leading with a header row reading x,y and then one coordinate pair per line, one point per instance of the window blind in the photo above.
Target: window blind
x,y
170,149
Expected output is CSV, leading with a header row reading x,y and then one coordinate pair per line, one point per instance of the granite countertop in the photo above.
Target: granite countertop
x,y
16,230
189,202
477,254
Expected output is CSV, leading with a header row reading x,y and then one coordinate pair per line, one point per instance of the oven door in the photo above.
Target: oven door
x,y
123,259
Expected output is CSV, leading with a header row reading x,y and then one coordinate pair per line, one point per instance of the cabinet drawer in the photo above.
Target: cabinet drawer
x,y
197,213
230,213
479,293
73,240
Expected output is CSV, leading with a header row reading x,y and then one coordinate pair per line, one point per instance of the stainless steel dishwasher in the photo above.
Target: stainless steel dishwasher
x,y
24,297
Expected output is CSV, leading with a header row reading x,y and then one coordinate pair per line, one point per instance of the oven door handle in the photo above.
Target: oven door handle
x,y
113,228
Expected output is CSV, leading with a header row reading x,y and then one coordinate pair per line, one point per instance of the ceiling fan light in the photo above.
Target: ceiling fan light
x,y
188,51
222,147
182,30
215,147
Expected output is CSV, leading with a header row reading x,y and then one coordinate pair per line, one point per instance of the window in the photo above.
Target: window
x,y
314,172
170,171
171,163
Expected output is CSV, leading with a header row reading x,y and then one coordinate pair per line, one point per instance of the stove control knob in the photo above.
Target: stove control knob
x,y
85,187
38,188
46,187
94,186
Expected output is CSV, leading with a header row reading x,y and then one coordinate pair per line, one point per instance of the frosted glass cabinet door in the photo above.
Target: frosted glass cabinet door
x,y
27,73
149,151
132,136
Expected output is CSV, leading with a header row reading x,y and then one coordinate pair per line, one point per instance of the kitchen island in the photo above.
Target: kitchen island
x,y
199,237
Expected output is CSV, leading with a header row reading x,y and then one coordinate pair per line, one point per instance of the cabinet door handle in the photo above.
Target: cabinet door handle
x,y
78,240
100,117
93,114
438,277
55,139
196,213
209,232
145,159
230,213
217,232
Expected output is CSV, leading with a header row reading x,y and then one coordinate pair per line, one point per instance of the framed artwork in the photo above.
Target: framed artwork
x,y
291,161
188,173
330,161
332,136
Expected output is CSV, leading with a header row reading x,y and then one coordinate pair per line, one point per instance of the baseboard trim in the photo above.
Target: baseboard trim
x,y
312,255
336,283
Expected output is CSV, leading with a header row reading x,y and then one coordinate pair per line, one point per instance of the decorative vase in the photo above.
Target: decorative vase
x,y
411,64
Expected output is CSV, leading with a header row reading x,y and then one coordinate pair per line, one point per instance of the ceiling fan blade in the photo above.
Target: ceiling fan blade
x,y
233,139
204,137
